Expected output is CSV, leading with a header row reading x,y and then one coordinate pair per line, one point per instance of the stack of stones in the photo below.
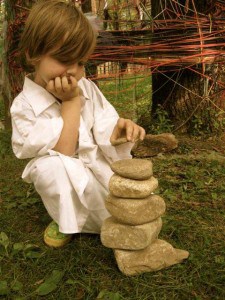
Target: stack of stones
x,y
132,230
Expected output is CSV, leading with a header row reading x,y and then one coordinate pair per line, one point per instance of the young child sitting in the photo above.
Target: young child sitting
x,y
64,123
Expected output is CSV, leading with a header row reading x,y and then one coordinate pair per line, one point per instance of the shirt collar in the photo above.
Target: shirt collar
x,y
82,86
39,98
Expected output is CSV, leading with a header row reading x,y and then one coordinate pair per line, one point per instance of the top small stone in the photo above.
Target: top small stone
x,y
139,169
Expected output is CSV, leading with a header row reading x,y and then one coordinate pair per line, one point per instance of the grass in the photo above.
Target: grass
x,y
129,94
194,192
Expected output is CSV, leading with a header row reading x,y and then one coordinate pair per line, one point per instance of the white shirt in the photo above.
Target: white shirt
x,y
37,125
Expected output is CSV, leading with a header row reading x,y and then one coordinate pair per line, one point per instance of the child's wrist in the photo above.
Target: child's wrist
x,y
72,99
76,99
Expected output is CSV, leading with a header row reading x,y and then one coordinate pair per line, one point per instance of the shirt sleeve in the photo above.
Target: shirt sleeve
x,y
33,135
106,118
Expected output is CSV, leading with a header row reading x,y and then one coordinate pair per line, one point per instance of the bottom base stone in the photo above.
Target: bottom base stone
x,y
155,257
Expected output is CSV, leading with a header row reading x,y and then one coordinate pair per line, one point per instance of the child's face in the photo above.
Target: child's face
x,y
48,68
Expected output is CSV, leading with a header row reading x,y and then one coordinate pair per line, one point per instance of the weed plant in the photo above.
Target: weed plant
x,y
213,122
193,189
160,123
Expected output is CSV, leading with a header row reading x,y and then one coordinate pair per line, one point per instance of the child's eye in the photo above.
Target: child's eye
x,y
81,63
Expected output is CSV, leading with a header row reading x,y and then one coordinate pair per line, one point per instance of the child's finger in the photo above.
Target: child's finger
x,y
142,133
114,135
74,86
58,84
129,130
50,86
117,131
118,141
65,84
73,82
136,133
121,124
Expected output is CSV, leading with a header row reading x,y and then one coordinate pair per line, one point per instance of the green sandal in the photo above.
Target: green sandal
x,y
54,238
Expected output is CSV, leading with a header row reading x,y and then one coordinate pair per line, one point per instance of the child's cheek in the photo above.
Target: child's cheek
x,y
80,74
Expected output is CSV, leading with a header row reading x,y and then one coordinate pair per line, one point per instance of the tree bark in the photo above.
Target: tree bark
x,y
6,88
184,94
15,15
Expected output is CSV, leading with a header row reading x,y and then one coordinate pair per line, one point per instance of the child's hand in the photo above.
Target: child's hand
x,y
127,129
64,88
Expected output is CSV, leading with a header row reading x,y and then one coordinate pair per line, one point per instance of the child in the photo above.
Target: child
x,y
64,123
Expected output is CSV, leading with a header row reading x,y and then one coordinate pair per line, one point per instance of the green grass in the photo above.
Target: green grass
x,y
194,192
129,94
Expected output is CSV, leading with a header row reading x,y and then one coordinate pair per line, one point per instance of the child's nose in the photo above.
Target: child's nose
x,y
72,70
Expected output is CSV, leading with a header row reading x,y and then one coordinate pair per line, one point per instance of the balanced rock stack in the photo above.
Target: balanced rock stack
x,y
132,230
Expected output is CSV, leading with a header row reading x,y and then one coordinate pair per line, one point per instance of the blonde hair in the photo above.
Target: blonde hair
x,y
59,29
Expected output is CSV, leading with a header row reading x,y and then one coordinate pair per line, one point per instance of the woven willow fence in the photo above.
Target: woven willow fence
x,y
167,54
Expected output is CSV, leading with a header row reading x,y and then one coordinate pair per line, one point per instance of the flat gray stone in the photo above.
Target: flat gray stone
x,y
139,169
156,256
130,188
135,211
120,236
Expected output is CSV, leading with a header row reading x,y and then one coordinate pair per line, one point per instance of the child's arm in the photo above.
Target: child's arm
x,y
109,129
126,128
69,93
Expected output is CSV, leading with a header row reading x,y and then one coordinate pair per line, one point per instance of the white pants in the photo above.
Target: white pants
x,y
53,184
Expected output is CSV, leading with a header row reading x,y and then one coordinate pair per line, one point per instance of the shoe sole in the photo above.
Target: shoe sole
x,y
56,243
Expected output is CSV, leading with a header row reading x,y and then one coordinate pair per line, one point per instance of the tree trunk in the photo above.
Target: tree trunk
x,y
185,94
5,89
16,12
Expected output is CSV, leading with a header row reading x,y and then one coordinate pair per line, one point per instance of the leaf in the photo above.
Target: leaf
x,y
32,251
71,282
33,254
4,240
30,247
46,288
17,247
106,295
50,283
55,277
4,289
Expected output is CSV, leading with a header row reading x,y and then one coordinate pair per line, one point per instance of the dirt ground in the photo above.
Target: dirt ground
x,y
202,144
190,145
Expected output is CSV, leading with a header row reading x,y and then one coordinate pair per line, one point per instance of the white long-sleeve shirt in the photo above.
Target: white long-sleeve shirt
x,y
37,125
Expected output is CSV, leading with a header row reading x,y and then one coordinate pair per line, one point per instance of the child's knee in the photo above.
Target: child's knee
x,y
45,174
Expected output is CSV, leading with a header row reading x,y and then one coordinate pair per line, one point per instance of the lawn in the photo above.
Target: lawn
x,y
129,94
193,185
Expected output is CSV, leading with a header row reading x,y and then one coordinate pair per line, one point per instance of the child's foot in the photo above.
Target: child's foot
x,y
54,238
